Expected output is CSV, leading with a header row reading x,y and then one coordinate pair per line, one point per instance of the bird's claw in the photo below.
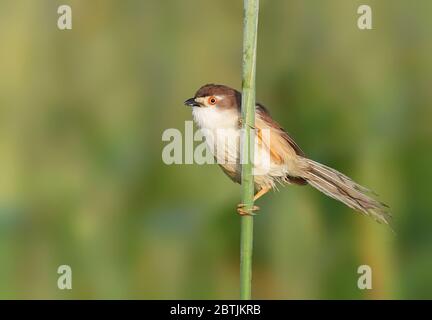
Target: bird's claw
x,y
245,212
241,124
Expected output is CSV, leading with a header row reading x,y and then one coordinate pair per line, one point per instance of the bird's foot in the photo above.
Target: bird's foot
x,y
240,121
245,212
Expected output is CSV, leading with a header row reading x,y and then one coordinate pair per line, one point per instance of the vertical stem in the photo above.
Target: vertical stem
x,y
250,28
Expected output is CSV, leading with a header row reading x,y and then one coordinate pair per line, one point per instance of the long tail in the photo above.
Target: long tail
x,y
342,188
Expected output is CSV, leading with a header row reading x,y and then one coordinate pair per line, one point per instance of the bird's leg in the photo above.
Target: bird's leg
x,y
260,193
240,207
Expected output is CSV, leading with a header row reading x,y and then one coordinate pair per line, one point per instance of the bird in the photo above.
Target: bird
x,y
216,110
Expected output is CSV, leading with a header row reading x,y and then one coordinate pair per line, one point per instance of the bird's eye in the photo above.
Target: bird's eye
x,y
212,100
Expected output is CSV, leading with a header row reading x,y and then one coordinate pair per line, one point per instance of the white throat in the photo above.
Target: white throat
x,y
212,118
221,132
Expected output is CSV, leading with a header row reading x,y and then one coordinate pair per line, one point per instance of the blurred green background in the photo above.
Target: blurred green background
x,y
82,180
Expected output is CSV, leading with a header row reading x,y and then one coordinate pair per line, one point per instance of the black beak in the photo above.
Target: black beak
x,y
191,103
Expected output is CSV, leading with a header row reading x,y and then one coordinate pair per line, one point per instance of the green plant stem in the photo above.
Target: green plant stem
x,y
250,28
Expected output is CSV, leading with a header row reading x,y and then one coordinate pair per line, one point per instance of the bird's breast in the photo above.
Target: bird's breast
x,y
221,132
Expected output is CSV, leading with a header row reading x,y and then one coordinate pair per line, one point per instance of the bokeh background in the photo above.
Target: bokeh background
x,y
82,180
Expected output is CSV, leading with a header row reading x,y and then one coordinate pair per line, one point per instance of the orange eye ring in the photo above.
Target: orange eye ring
x,y
212,100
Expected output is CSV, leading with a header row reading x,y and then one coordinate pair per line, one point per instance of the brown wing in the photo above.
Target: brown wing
x,y
267,120
282,146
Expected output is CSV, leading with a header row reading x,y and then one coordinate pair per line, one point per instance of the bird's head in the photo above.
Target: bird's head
x,y
215,96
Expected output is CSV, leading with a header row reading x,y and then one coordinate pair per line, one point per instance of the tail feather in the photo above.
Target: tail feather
x,y
340,187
